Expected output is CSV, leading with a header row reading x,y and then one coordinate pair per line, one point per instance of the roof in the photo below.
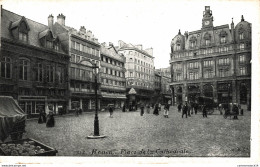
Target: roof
x,y
11,20
131,46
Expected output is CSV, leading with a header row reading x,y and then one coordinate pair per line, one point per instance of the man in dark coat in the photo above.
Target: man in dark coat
x,y
184,110
123,109
179,107
204,111
195,108
110,111
156,110
235,111
142,110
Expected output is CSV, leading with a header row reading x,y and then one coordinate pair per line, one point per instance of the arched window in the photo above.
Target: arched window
x,y
24,69
6,67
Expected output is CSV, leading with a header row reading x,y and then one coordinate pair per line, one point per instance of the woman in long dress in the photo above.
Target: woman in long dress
x,y
50,118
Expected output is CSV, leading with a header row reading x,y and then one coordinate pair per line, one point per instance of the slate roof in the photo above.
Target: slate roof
x,y
11,20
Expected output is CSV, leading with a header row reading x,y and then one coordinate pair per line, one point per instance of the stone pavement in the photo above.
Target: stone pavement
x,y
129,134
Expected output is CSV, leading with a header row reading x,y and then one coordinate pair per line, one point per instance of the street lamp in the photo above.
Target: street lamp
x,y
96,121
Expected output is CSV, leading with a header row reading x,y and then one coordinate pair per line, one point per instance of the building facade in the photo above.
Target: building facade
x,y
33,65
84,51
214,61
139,73
162,93
112,76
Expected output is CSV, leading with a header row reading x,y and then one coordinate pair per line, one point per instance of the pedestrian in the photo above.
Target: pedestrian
x,y
179,107
159,106
42,117
142,110
220,107
123,109
242,111
185,109
235,111
196,107
204,111
110,111
166,110
77,111
80,111
148,108
50,118
156,110
189,108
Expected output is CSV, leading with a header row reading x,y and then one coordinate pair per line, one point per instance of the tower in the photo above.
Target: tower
x,y
207,20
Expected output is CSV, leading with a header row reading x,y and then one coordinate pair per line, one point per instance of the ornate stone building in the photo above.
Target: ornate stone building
x,y
112,76
84,51
33,65
139,72
214,61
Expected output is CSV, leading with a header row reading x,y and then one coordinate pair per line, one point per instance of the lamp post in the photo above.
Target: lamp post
x,y
96,121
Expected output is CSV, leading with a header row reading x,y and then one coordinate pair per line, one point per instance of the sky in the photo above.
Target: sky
x,y
152,23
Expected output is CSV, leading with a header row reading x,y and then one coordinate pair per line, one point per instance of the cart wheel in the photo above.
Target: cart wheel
x,y
225,116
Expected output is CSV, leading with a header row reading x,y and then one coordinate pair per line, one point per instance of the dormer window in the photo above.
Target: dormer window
x,y
23,36
20,29
222,39
56,46
223,36
49,44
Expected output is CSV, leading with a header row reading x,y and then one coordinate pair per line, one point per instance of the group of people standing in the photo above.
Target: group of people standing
x,y
156,109
49,119
188,108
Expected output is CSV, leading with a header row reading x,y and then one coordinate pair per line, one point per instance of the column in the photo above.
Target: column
x,y
215,92
80,103
69,104
201,68
232,71
184,92
98,104
89,104
201,89
234,91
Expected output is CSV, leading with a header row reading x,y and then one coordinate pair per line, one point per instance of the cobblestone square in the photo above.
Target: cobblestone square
x,y
129,134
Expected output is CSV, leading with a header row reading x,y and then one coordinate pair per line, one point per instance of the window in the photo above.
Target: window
x,y
56,46
223,73
60,74
191,75
178,47
223,61
178,66
5,67
241,36
23,69
208,63
73,45
49,73
222,39
194,65
193,44
77,46
72,72
208,74
23,36
241,46
72,58
77,73
77,59
207,42
39,72
242,59
131,74
178,77
49,44
242,70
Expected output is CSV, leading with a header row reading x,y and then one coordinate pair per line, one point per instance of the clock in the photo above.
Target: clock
x,y
206,22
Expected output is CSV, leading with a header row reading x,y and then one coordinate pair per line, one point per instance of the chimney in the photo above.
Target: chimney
x,y
232,31
61,19
110,44
103,44
89,33
50,21
82,29
149,51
